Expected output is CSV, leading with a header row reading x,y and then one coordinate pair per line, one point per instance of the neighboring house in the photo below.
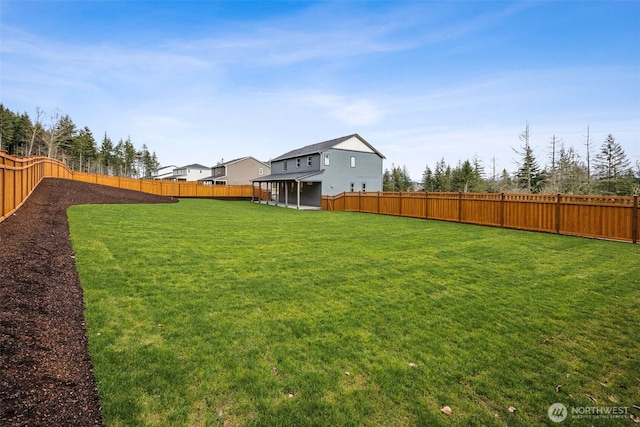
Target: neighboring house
x,y
328,168
192,172
237,172
163,172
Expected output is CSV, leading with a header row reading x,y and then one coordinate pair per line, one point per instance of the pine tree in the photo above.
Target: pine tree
x,y
464,177
442,176
428,180
529,178
611,165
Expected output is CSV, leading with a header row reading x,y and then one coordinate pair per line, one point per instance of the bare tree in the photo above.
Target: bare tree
x,y
554,167
588,158
61,131
36,129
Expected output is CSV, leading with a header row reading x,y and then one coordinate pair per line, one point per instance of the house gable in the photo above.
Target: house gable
x,y
354,143
350,142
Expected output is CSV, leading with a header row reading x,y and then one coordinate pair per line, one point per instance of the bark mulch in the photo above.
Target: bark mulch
x,y
46,375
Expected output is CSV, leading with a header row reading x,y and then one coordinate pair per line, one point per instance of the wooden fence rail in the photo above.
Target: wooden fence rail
x,y
603,217
19,176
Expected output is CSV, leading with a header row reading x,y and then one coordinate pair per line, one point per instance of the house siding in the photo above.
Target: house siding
x,y
277,167
243,172
339,175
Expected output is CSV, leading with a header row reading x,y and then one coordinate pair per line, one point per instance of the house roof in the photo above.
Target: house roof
x,y
323,146
163,175
214,178
230,162
194,166
299,176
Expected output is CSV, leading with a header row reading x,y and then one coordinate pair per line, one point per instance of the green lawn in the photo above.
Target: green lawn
x,y
231,313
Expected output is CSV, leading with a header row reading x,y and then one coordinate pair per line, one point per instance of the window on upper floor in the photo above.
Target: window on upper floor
x,y
309,161
284,165
260,171
326,159
353,161
298,162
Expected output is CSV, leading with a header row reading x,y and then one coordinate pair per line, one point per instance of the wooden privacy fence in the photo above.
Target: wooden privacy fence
x,y
602,217
20,175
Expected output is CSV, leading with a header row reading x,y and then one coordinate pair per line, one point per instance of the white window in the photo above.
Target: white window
x,y
353,161
326,159
309,161
364,186
353,187
297,162
284,165
261,171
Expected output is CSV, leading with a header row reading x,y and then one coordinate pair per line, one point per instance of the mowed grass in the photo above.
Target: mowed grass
x,y
231,313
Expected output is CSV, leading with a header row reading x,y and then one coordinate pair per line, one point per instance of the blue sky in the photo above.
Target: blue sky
x,y
203,81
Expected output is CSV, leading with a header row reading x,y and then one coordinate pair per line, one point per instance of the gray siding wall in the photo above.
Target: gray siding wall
x,y
339,175
278,167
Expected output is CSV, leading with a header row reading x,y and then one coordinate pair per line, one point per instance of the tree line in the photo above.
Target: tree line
x,y
603,171
56,136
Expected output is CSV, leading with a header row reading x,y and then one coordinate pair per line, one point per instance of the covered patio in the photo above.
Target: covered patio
x,y
299,190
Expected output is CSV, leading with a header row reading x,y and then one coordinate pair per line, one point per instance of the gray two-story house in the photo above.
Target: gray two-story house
x,y
331,167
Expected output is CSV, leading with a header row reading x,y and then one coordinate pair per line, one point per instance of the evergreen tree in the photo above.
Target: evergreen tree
x,y
611,165
130,156
464,177
397,179
529,178
442,176
14,131
387,183
148,162
505,183
428,180
106,156
82,150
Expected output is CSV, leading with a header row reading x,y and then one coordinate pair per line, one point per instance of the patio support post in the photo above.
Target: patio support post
x,y
277,191
298,195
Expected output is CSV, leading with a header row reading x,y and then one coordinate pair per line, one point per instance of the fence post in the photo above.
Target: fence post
x,y
426,204
2,182
378,202
558,213
634,221
400,214
502,210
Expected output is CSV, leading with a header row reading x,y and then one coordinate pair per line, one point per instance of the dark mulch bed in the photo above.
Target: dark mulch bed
x,y
46,375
